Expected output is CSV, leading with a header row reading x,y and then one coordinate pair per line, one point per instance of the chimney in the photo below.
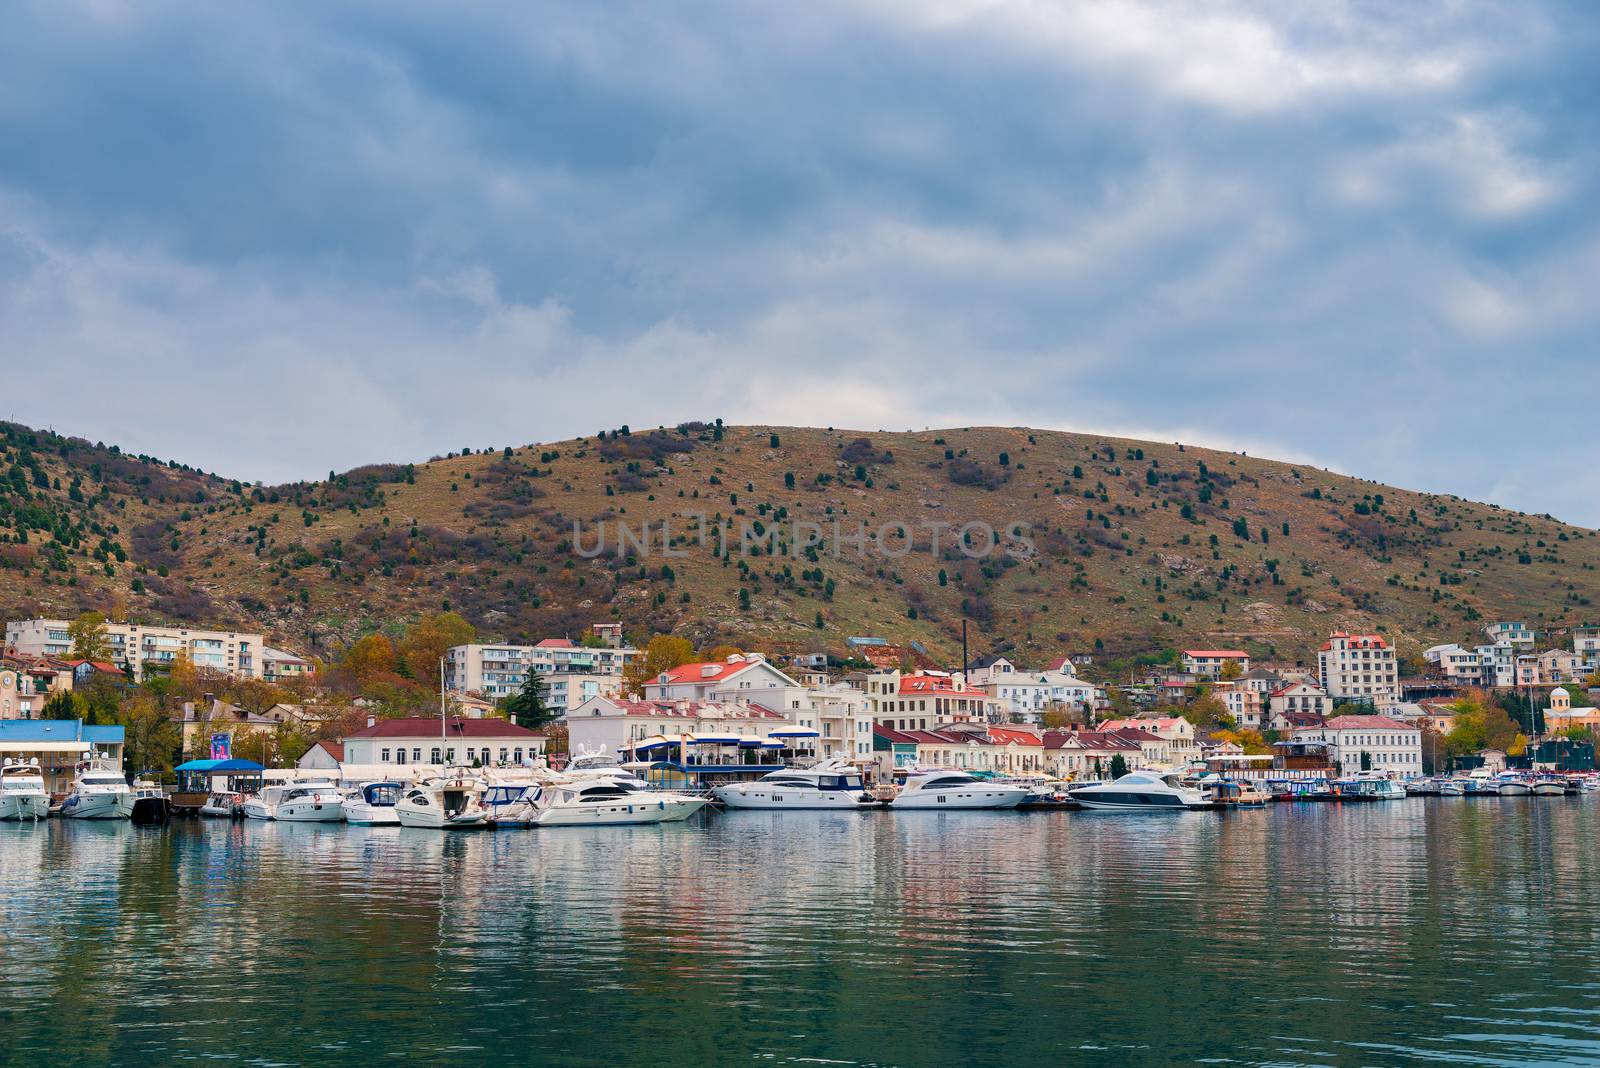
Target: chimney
x,y
372,721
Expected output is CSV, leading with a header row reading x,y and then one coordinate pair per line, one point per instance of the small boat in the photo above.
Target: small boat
x,y
374,804
317,801
1589,784
943,790
150,804
1452,788
832,784
98,792
223,805
22,792
446,804
1549,786
1510,784
1142,791
620,800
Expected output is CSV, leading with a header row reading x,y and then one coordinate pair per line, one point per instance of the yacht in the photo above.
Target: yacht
x,y
511,804
956,789
22,792
98,793
623,799
1509,784
1379,785
374,804
1142,791
447,804
317,801
833,784
1549,786
1452,788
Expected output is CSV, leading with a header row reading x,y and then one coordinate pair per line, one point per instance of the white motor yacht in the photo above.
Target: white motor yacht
x,y
22,792
450,803
99,792
374,804
1142,791
832,784
316,801
511,804
589,802
956,789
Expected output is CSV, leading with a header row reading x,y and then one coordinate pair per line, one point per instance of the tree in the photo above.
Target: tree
x,y
663,653
1119,766
1206,712
1231,670
1366,760
369,657
150,738
64,704
425,643
722,652
527,706
89,638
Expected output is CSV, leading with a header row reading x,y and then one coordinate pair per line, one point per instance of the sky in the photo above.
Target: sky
x,y
275,240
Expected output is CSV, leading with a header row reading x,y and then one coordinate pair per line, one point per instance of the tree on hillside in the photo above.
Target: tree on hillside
x,y
368,658
1231,670
1481,723
1206,712
64,704
722,652
426,642
89,638
663,653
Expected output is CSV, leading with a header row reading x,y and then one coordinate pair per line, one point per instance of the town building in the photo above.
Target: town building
x,y
1078,754
1209,663
926,700
1244,704
1359,668
138,648
699,681
444,742
970,747
499,670
1453,662
1497,665
1387,744
1176,731
1286,706
1586,643
280,666
1518,634
1024,696
614,724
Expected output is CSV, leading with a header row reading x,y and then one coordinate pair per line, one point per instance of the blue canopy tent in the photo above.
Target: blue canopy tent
x,y
195,781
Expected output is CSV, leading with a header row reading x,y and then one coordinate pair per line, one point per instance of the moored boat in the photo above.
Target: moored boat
x,y
374,804
1549,786
150,804
314,801
22,792
831,785
621,800
98,793
956,789
1142,791
445,804
222,805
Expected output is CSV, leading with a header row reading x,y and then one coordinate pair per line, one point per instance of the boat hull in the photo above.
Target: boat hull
x,y
364,815
1515,789
315,809
438,821
967,797
151,810
754,795
1550,789
617,813
20,807
1147,803
106,806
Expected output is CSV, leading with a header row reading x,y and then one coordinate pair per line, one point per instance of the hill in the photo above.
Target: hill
x,y
1118,545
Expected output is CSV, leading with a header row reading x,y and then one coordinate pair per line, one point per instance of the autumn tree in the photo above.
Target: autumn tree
x,y
425,644
150,738
722,652
663,653
1231,670
368,658
89,638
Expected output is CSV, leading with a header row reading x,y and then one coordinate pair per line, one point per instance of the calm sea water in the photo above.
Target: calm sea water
x,y
1445,931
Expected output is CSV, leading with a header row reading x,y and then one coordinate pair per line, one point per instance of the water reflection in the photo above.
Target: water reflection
x,y
1445,930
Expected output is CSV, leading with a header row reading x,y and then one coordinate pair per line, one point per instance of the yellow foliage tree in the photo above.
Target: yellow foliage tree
x,y
663,653
425,643
89,638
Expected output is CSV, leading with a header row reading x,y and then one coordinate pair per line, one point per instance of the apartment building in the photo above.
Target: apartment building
x,y
1359,667
497,671
1208,663
1026,695
137,648
1388,744
1586,643
1455,663
925,700
1519,634
279,666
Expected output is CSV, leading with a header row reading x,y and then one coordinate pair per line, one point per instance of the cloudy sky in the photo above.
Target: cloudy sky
x,y
278,240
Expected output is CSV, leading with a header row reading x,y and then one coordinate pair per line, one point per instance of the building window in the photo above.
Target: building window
x,y
385,757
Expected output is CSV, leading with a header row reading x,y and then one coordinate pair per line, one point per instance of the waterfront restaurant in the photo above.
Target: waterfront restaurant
x,y
59,745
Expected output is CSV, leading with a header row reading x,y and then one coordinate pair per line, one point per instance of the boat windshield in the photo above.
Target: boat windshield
x,y
505,795
944,782
104,780
382,794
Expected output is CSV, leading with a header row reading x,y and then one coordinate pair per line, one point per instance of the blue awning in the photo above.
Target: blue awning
x,y
219,766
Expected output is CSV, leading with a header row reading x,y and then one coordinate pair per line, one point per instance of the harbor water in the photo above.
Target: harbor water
x,y
1443,931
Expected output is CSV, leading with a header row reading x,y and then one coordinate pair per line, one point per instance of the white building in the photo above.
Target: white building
x,y
279,666
1029,694
1243,703
497,671
1586,643
612,724
926,700
453,741
1301,699
1497,664
1456,663
1389,744
135,646
840,714
1359,667
1517,633
1208,663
